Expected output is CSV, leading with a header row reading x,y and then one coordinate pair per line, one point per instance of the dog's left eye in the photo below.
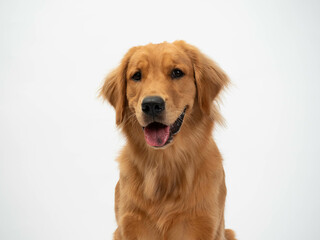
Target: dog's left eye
x,y
176,73
137,76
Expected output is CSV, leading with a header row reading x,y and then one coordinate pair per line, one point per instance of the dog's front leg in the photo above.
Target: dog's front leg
x,y
135,227
131,227
199,228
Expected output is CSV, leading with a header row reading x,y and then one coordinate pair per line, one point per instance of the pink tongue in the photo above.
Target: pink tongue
x,y
156,136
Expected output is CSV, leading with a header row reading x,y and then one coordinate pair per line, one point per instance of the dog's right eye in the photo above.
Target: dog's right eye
x,y
136,76
176,73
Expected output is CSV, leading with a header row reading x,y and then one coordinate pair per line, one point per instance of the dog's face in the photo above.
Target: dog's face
x,y
158,84
160,89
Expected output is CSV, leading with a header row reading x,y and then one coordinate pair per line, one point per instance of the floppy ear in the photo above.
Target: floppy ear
x,y
114,87
209,77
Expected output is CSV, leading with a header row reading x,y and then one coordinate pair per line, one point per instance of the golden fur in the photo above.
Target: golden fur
x,y
176,192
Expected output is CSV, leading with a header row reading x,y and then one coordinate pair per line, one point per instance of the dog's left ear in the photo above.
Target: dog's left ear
x,y
114,87
209,77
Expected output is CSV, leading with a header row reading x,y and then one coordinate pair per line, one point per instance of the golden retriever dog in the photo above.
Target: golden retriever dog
x,y
172,182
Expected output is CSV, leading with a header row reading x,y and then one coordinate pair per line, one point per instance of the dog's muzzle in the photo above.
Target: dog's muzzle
x,y
158,135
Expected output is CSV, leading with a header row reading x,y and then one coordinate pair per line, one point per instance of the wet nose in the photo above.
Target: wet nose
x,y
153,105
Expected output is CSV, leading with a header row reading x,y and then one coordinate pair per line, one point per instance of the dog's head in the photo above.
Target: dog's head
x,y
159,85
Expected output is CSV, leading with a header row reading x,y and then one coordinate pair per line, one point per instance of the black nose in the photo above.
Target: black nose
x,y
153,105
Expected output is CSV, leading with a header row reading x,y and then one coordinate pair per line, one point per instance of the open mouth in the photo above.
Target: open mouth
x,y
158,135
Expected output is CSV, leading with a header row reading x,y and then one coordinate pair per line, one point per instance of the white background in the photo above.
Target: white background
x,y
58,141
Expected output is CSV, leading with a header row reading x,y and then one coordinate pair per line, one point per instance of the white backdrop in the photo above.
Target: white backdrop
x,y
58,141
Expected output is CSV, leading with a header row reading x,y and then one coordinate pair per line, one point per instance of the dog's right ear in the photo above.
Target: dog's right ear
x,y
114,87
210,79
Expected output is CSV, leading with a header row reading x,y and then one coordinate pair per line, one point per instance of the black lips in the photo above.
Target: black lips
x,y
175,127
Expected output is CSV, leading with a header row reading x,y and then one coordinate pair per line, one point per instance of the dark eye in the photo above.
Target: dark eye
x,y
176,73
136,76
